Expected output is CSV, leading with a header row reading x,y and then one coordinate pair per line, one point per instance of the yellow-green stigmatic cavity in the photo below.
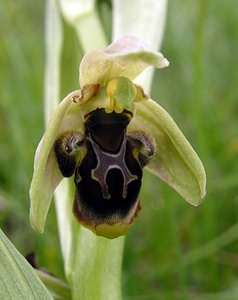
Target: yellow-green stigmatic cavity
x,y
122,93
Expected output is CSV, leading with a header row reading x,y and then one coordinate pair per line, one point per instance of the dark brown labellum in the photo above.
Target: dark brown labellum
x,y
108,176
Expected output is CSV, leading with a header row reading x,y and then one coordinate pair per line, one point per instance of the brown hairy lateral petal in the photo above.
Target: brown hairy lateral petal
x,y
144,146
66,147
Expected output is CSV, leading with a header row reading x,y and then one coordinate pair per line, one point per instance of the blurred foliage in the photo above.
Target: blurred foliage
x,y
174,251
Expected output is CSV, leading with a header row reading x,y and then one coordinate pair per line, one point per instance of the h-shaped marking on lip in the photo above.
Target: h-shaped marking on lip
x,y
108,161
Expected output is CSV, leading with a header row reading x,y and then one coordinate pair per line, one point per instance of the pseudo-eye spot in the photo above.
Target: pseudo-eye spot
x,y
107,164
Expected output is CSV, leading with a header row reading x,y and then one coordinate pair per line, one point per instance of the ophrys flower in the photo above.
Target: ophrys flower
x,y
104,134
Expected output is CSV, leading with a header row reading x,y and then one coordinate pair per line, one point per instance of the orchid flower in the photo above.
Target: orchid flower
x,y
104,135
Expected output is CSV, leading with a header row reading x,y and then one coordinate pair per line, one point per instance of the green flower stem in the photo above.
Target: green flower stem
x,y
98,272
63,205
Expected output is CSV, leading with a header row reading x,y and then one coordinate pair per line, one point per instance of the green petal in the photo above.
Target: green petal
x,y
175,161
126,57
46,174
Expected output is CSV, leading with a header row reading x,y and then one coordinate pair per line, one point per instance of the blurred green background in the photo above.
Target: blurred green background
x,y
174,250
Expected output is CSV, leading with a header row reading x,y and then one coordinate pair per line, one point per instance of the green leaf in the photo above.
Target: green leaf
x,y
175,161
18,279
97,267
